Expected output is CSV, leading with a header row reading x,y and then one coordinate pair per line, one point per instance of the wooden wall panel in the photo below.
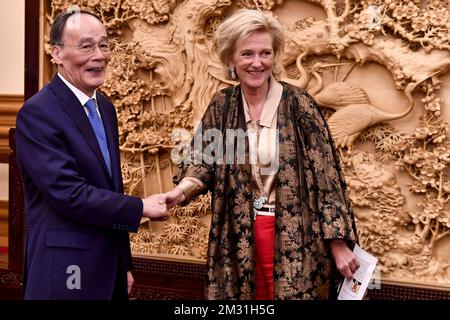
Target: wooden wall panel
x,y
9,106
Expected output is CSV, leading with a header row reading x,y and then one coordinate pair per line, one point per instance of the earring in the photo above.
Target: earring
x,y
233,72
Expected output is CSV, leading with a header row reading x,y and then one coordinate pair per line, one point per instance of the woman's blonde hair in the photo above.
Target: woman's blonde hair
x,y
242,24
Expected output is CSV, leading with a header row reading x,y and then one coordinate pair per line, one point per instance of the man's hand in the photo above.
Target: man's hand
x,y
155,207
344,258
130,281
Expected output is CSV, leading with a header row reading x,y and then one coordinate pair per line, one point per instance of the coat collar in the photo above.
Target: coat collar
x,y
270,106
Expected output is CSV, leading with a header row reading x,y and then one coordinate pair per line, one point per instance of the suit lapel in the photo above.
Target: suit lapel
x,y
72,106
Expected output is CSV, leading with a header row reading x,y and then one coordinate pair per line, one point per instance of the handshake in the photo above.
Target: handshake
x,y
156,206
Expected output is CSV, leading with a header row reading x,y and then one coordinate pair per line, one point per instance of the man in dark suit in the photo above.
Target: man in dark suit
x,y
78,219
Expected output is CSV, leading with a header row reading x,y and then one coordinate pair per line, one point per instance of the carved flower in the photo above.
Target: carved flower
x,y
398,12
439,20
422,133
436,3
367,38
439,139
433,208
439,166
411,10
428,171
426,180
134,108
441,151
409,159
435,105
420,163
419,187
419,24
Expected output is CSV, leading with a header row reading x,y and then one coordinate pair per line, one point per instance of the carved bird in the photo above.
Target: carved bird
x,y
347,123
337,94
354,112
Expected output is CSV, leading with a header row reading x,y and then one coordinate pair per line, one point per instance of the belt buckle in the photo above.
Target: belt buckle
x,y
258,203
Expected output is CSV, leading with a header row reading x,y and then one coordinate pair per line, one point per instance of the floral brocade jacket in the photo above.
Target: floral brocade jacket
x,y
312,203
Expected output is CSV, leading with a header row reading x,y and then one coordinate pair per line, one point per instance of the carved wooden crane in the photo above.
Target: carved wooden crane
x,y
354,111
337,94
347,123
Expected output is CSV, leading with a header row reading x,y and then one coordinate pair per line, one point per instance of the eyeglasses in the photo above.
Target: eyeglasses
x,y
89,47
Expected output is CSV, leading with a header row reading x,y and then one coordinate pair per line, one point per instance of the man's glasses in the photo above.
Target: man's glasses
x,y
89,47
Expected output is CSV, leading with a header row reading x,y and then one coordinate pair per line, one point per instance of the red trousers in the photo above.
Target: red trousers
x,y
264,247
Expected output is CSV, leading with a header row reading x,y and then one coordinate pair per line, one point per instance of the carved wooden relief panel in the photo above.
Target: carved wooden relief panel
x,y
379,69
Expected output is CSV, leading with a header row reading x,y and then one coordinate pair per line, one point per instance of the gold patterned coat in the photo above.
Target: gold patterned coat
x,y
312,204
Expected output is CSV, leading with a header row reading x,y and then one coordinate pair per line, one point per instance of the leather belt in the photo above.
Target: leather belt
x,y
259,209
265,211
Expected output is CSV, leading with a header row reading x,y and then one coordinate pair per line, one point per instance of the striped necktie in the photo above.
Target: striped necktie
x,y
99,131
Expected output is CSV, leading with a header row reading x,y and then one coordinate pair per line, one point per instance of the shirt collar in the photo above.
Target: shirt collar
x,y
270,106
81,96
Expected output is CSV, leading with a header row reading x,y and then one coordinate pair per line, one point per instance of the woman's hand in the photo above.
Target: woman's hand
x,y
130,281
174,197
345,259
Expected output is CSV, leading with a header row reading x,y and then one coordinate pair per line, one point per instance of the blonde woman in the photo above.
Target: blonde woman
x,y
281,223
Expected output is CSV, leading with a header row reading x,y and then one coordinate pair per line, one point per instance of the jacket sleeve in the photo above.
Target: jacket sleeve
x,y
199,158
330,190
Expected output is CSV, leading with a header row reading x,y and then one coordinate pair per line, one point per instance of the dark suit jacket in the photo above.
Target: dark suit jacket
x,y
77,215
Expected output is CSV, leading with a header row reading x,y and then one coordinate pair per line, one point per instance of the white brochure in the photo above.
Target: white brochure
x,y
355,288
